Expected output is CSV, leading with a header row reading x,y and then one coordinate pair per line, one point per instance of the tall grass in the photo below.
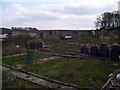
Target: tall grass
x,y
12,49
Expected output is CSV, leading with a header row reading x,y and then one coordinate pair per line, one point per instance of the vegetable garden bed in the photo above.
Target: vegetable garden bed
x,y
87,73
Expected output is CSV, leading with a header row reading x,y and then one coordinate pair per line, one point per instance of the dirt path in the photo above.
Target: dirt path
x,y
14,55
46,59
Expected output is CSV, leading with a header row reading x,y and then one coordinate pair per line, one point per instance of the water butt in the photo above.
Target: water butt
x,y
103,50
84,49
115,52
94,50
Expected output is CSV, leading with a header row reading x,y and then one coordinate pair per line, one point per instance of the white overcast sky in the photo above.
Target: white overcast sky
x,y
54,14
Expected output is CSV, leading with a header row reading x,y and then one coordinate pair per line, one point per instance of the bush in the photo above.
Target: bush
x,y
12,49
36,45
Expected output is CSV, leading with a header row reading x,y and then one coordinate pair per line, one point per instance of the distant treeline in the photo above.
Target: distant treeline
x,y
23,28
108,20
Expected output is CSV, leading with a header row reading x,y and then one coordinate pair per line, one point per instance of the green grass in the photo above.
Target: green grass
x,y
66,48
87,73
38,56
14,60
22,59
10,81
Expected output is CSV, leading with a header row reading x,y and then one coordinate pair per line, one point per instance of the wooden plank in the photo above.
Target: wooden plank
x,y
109,80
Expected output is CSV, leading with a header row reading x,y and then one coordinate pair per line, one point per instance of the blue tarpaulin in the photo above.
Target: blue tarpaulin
x,y
78,39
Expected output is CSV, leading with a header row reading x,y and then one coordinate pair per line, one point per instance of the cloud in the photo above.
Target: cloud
x,y
77,15
88,10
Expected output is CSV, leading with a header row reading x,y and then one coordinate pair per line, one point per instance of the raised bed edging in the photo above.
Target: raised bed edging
x,y
14,55
46,78
82,56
